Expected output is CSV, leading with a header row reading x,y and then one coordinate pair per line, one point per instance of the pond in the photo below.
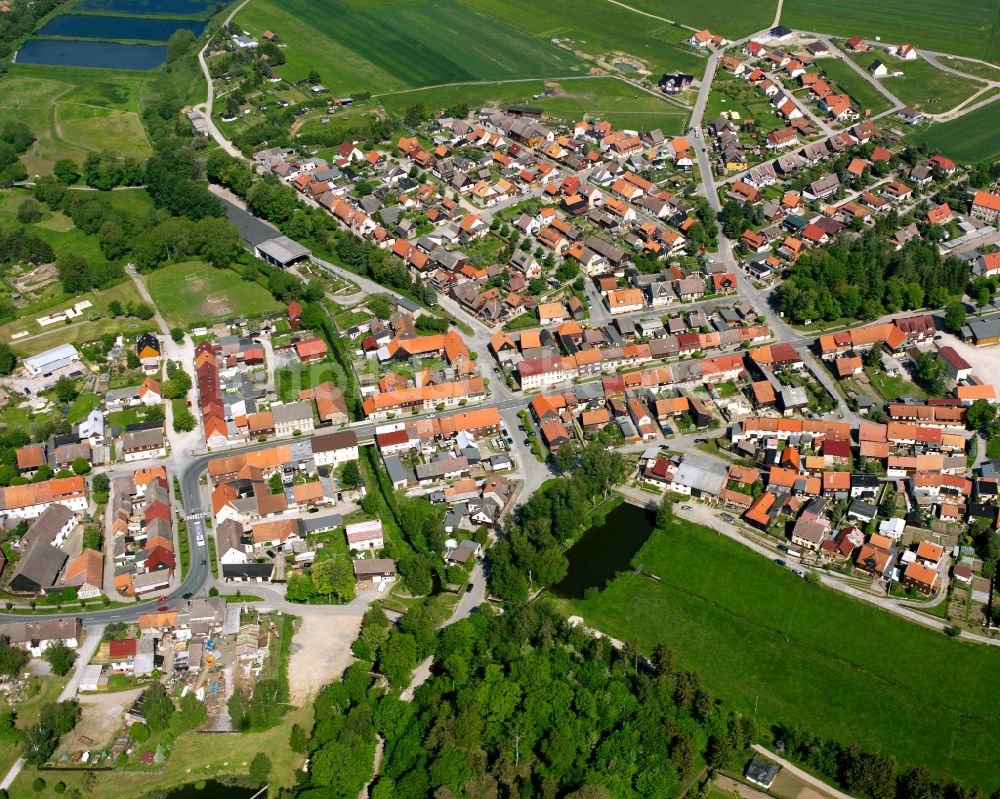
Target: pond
x,y
105,55
626,67
193,8
91,26
605,550
213,790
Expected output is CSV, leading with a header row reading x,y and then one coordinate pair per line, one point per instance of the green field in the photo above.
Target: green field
x,y
922,85
193,293
971,29
970,138
399,44
860,89
728,17
73,112
766,641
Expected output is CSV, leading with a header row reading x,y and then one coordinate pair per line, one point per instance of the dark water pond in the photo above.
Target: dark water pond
x,y
106,55
200,8
89,26
212,790
605,550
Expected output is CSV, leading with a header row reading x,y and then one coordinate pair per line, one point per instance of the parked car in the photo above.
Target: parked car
x,y
686,507
780,562
799,573
469,587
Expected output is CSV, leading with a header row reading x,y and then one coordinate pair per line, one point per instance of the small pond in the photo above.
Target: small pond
x,y
624,67
193,8
91,26
605,550
213,790
105,55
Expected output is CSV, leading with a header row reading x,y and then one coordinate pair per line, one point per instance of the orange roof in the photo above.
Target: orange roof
x,y
310,348
308,492
23,496
836,481
921,574
986,200
927,550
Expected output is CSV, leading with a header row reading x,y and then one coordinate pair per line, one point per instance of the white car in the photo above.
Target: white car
x,y
201,540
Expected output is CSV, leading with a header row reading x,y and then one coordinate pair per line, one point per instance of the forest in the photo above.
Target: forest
x,y
524,705
864,277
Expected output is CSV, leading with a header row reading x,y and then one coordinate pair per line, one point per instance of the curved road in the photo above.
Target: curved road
x,y
205,109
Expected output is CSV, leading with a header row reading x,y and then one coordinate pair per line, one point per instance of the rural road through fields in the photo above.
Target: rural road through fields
x,y
205,109
83,656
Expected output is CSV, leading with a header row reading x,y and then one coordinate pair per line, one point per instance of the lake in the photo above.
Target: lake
x,y
213,790
90,26
193,8
606,550
105,55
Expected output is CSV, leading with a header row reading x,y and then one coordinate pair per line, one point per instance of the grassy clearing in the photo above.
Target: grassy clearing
x,y
802,654
193,293
395,45
735,95
923,23
46,689
295,378
89,126
970,138
860,89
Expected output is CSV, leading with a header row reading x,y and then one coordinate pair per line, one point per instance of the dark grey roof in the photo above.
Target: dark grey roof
x,y
38,569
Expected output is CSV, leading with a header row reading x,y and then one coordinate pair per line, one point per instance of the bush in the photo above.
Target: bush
x,y
59,787
138,733
38,785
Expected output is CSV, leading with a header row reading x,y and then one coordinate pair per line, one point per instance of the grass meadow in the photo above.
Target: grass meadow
x,y
194,292
970,138
731,19
73,112
861,91
768,642
970,30
922,84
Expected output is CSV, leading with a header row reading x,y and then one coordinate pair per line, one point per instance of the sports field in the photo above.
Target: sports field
x,y
860,89
768,642
194,292
970,138
969,28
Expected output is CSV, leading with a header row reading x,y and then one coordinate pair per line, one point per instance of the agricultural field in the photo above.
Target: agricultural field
x,y
923,23
731,19
970,138
766,641
193,293
395,45
72,115
861,90
922,85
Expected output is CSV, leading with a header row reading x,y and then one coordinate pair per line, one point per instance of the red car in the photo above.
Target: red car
x,y
162,599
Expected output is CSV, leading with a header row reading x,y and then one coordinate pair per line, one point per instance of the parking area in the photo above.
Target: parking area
x,y
985,361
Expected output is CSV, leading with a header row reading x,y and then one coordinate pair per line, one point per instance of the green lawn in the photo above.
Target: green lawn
x,y
922,85
861,90
193,293
356,46
970,138
42,690
970,29
893,387
805,655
